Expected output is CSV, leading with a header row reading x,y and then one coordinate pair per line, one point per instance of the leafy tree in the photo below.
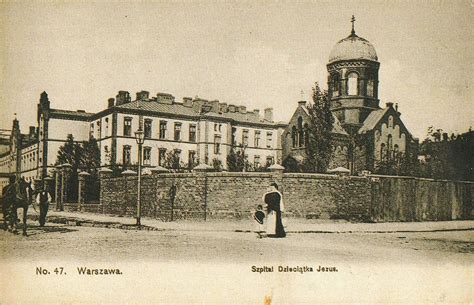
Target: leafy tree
x,y
291,165
217,164
447,157
318,138
172,160
81,157
236,160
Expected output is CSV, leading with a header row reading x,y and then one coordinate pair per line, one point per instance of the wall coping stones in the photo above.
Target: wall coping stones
x,y
203,168
276,167
159,170
105,170
129,172
340,171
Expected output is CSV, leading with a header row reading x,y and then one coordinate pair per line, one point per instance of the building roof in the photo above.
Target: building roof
x,y
180,109
336,126
372,119
79,114
353,47
158,107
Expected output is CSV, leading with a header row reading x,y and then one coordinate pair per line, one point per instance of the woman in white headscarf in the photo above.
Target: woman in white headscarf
x,y
274,201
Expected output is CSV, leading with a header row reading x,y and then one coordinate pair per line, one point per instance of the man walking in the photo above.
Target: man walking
x,y
43,199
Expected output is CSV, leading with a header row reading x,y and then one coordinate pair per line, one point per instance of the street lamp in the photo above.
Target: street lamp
x,y
140,137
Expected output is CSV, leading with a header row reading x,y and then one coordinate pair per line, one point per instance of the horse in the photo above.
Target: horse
x,y
15,196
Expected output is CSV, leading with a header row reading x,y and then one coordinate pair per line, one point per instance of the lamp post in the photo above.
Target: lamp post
x,y
140,137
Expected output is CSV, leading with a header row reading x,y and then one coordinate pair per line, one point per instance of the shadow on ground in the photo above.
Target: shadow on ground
x,y
33,230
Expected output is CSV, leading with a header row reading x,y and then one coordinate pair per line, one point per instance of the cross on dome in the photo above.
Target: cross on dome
x,y
353,21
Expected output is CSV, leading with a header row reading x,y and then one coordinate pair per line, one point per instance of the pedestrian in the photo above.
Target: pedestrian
x,y
8,204
43,199
274,201
259,217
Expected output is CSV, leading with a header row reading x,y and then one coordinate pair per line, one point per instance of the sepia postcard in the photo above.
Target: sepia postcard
x,y
236,152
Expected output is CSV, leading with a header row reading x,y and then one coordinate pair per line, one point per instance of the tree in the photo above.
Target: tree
x,y
172,160
217,164
85,157
236,160
318,137
291,165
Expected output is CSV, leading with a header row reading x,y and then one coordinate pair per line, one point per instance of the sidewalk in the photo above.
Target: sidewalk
x,y
293,225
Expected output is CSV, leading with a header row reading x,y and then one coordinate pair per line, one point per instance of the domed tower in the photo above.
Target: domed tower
x,y
353,75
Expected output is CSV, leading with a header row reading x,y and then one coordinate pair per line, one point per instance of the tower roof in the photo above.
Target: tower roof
x,y
353,47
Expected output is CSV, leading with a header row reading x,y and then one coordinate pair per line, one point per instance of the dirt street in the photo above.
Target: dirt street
x,y
75,242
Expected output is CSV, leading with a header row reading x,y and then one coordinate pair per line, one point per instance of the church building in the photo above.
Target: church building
x,y
364,134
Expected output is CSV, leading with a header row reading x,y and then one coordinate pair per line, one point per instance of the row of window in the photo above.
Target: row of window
x,y
147,152
147,130
177,132
352,85
98,130
299,134
256,138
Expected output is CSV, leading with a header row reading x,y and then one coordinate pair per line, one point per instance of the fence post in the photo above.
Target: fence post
x,y
57,189
66,172
82,189
128,174
201,171
277,175
104,173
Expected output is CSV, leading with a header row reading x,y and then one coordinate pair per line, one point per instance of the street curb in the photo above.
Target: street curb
x,y
82,222
79,222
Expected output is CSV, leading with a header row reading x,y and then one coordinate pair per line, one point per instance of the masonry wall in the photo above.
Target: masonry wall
x,y
313,196
236,195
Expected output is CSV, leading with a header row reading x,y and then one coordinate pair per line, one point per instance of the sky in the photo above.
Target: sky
x,y
255,53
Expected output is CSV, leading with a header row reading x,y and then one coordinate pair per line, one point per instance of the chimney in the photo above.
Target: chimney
x,y
214,106
187,102
389,105
223,107
302,103
231,108
164,98
242,109
110,102
268,114
143,95
122,97
396,107
32,132
198,103
256,112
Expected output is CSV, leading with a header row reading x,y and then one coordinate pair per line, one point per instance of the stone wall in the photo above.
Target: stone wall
x,y
236,195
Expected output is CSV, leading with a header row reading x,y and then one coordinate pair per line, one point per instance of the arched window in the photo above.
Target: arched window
x,y
370,85
335,85
306,134
382,151
352,83
300,132
395,151
293,136
389,142
390,121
